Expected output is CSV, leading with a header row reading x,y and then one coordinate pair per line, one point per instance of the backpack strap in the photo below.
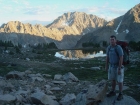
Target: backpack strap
x,y
116,51
108,50
115,48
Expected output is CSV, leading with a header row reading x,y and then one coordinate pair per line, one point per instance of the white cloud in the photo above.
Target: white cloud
x,y
15,1
0,1
36,10
92,10
108,18
25,2
117,11
27,10
103,12
21,2
7,8
106,9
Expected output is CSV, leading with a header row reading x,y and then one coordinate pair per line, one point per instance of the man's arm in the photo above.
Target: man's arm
x,y
107,58
107,61
120,64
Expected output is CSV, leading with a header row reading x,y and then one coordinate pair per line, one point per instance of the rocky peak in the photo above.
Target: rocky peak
x,y
134,13
16,27
77,19
67,28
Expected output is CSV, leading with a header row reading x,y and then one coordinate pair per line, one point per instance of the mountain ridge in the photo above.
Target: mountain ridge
x,y
57,33
74,28
125,27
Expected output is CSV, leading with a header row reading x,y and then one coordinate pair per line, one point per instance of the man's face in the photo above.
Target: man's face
x,y
112,41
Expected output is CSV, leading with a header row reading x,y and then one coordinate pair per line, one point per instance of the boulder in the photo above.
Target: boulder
x,y
1,77
22,92
41,98
80,99
127,100
68,77
15,75
28,72
36,77
97,92
7,98
27,59
58,77
68,99
47,75
55,89
47,87
2,83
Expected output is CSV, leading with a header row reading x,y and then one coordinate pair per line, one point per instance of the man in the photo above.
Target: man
x,y
114,60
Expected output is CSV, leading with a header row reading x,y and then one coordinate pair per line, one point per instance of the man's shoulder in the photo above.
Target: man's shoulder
x,y
108,46
118,47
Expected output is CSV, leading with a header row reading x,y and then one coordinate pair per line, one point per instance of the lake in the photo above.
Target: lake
x,y
79,54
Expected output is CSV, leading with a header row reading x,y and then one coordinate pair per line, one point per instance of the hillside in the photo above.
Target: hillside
x,y
126,27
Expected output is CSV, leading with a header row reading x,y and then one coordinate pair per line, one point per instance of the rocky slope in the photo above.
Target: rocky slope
x,y
126,27
30,87
65,31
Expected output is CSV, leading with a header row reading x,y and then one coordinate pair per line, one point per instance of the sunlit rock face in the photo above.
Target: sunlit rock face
x,y
77,54
65,31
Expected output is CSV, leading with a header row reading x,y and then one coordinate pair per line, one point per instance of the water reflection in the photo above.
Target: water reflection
x,y
79,54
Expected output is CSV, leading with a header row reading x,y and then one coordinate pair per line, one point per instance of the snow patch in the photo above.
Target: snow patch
x,y
57,54
118,27
24,46
35,44
83,33
69,21
88,29
127,31
65,24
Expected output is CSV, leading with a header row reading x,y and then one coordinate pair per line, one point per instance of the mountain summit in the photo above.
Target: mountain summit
x,y
65,31
79,22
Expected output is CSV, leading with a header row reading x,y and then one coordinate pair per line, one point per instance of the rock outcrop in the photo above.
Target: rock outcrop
x,y
25,90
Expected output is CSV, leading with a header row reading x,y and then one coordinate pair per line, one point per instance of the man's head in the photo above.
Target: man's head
x,y
113,40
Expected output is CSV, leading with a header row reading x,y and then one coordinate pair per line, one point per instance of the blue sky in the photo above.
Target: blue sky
x,y
48,10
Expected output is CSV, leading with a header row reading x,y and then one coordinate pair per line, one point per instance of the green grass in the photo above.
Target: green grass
x,y
132,79
5,69
81,69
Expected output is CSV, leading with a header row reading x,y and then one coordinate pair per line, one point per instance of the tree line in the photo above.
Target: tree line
x,y
132,44
18,47
50,45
